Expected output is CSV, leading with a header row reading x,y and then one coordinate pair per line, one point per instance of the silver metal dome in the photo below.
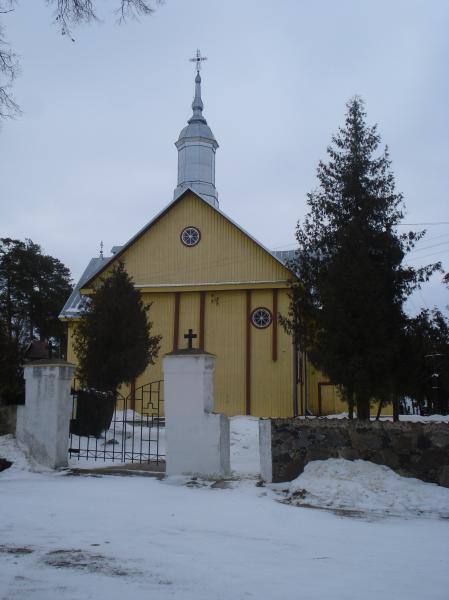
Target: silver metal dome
x,y
196,153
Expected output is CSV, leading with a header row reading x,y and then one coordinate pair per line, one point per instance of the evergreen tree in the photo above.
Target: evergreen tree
x,y
12,385
113,340
427,374
347,302
33,289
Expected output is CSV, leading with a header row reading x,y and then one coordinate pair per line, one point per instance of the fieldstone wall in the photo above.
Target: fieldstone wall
x,y
415,449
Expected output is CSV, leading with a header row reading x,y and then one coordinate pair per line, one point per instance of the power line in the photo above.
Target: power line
x,y
417,258
431,246
426,224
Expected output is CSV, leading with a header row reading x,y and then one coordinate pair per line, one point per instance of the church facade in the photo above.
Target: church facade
x,y
202,272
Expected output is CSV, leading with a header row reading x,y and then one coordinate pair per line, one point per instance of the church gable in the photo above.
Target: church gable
x,y
192,244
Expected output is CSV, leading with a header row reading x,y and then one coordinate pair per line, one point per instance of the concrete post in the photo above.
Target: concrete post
x,y
197,438
266,460
43,422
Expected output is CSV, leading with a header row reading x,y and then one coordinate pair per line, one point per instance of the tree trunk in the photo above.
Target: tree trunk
x,y
349,397
379,410
395,409
363,409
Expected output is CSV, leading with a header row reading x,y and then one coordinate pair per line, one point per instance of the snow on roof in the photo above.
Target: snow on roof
x,y
74,304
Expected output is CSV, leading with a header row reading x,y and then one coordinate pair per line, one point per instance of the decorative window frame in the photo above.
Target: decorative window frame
x,y
185,229
261,326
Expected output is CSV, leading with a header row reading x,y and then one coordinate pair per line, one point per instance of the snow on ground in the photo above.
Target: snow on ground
x,y
411,418
244,441
68,537
244,436
363,486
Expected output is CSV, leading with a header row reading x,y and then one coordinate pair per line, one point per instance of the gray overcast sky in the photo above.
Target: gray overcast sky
x,y
93,157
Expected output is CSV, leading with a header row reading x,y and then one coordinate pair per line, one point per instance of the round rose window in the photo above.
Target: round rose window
x,y
190,236
261,317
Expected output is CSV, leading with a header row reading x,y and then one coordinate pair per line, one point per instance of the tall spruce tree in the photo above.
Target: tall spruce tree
x,y
113,340
347,302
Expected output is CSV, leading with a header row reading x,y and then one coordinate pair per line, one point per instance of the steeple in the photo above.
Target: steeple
x,y
196,149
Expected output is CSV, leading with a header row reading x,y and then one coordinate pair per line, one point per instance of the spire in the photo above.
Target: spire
x,y
197,104
196,148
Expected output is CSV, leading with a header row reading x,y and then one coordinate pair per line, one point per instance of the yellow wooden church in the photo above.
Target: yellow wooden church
x,y
201,271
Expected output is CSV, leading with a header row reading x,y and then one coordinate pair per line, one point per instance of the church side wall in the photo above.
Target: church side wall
x,y
323,398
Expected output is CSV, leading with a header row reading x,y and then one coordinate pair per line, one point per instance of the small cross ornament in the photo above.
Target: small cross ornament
x,y
190,336
198,59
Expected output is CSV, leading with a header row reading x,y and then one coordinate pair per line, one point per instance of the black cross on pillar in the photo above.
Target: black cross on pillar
x,y
190,336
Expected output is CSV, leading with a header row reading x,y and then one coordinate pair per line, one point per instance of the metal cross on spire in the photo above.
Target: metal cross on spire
x,y
198,59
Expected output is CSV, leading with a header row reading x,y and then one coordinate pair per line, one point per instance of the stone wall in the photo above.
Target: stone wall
x,y
415,449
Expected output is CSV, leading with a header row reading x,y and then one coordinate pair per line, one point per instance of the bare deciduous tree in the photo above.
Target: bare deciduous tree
x,y
68,13
9,68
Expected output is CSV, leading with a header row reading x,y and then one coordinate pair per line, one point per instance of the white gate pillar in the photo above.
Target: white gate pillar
x,y
43,422
197,438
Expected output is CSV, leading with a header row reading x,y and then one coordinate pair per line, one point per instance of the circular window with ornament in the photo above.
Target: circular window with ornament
x,y
190,236
261,317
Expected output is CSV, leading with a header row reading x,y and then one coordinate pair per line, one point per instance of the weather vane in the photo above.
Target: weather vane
x,y
198,59
101,249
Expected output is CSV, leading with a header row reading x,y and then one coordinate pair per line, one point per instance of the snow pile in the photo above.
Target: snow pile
x,y
364,486
10,450
244,436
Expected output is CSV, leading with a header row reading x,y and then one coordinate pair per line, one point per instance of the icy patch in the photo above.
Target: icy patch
x,y
366,487
244,436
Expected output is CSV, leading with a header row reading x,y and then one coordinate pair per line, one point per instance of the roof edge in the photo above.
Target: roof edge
x,y
159,215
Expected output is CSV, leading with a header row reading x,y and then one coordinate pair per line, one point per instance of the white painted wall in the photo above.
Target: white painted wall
x,y
197,438
42,427
266,463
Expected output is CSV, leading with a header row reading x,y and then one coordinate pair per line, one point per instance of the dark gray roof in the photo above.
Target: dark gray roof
x,y
76,301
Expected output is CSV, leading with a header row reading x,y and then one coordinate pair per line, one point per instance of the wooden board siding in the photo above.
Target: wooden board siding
x,y
271,381
224,337
202,319
225,327
162,316
189,318
274,329
71,357
224,253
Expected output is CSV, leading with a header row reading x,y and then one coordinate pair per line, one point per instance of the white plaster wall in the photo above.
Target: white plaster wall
x,y
42,427
266,463
197,439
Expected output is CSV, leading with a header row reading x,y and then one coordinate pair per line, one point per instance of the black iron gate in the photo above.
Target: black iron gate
x,y
106,428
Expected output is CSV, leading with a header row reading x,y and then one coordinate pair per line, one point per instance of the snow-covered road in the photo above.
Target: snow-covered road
x,y
75,538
